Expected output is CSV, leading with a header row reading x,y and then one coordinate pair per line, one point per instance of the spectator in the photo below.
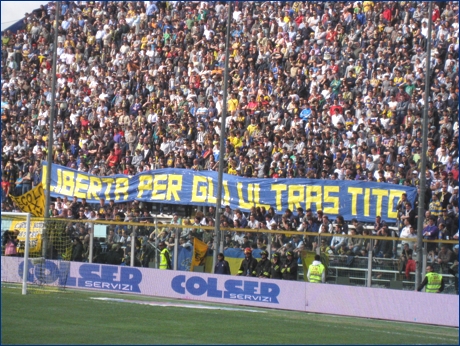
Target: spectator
x,y
431,232
338,243
411,266
383,248
408,232
409,214
444,256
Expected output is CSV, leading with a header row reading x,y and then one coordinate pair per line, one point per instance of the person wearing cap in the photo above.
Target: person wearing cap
x,y
165,256
316,271
263,266
248,264
289,267
222,267
275,267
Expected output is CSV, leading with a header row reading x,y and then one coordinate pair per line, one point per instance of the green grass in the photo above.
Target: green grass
x,y
72,317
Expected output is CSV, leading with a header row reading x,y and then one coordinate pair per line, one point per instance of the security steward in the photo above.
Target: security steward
x,y
263,266
433,281
289,268
165,257
248,265
275,269
316,271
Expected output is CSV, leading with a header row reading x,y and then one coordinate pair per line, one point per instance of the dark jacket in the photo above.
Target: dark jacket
x,y
222,267
384,248
289,269
77,252
113,257
263,268
248,267
275,270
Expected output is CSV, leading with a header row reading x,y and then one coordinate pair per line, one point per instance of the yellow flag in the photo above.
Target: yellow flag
x,y
35,236
32,202
307,258
199,253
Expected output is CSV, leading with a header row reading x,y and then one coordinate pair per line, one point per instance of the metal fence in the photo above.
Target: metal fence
x,y
355,264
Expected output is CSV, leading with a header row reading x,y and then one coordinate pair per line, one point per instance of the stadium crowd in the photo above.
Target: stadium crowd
x,y
318,90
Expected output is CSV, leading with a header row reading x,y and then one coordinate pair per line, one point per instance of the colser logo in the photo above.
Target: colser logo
x,y
232,289
113,278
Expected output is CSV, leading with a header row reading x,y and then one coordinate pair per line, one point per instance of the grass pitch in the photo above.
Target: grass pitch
x,y
82,317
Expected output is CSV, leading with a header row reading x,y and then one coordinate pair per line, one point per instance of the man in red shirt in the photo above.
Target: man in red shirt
x,y
253,105
411,266
386,13
334,107
117,151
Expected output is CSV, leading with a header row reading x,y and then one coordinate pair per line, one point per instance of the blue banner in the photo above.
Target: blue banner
x,y
184,258
351,199
239,253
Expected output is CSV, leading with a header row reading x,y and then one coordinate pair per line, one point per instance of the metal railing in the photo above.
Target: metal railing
x,y
344,267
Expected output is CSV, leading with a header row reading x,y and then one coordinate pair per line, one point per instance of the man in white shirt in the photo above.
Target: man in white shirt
x,y
327,224
337,118
238,237
269,222
253,223
165,146
152,118
408,231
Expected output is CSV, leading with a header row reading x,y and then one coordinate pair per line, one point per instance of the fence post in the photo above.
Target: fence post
x,y
269,244
176,247
156,241
318,248
395,242
91,243
133,247
25,271
369,264
425,250
221,243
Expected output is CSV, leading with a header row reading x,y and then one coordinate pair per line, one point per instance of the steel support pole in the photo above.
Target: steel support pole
x,y
49,158
133,248
91,244
176,247
369,265
217,235
421,197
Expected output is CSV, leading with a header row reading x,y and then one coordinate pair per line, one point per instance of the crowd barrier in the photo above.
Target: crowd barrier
x,y
423,308
343,269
